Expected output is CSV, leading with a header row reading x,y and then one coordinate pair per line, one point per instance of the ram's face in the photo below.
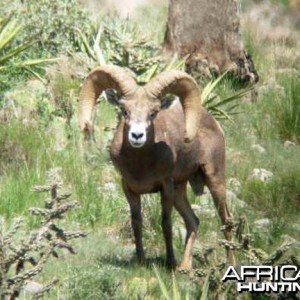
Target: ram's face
x,y
138,116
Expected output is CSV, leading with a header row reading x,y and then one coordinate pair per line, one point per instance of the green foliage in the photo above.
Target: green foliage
x,y
280,196
124,43
225,107
97,282
286,108
9,30
28,151
127,46
169,294
13,61
20,147
279,110
153,21
53,23
44,112
63,94
285,3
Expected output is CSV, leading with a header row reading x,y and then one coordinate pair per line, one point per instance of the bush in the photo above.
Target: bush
x,y
53,23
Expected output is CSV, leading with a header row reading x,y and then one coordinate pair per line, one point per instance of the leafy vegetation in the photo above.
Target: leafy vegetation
x,y
123,43
12,60
53,23
38,131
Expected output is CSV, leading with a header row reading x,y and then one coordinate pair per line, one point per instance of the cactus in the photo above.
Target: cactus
x,y
23,258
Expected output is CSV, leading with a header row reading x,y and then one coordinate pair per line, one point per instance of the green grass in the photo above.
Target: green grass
x,y
28,152
286,111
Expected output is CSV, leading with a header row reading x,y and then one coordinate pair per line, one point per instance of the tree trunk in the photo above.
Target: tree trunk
x,y
208,32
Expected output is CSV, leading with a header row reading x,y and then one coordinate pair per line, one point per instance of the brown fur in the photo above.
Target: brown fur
x,y
165,164
179,143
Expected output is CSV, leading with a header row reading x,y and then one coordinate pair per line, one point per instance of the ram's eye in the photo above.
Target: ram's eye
x,y
125,113
153,114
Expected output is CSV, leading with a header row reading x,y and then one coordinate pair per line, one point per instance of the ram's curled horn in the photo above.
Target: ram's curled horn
x,y
98,80
185,87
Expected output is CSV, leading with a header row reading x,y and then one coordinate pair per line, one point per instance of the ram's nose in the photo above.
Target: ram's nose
x,y
137,136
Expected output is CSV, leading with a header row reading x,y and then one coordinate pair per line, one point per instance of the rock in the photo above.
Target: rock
x,y
289,144
109,187
296,227
206,199
207,207
36,87
231,196
233,201
196,207
288,238
261,175
258,148
206,210
32,288
262,223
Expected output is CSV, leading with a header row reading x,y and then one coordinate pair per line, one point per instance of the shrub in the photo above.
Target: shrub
x,y
53,23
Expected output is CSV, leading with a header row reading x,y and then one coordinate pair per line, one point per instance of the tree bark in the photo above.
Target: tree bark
x,y
208,32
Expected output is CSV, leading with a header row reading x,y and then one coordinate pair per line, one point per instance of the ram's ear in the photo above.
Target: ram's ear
x,y
167,101
112,96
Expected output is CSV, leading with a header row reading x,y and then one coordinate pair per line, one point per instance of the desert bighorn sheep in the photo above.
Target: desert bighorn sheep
x,y
160,147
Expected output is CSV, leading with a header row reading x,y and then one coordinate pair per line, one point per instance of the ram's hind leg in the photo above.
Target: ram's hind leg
x,y
215,181
134,201
191,222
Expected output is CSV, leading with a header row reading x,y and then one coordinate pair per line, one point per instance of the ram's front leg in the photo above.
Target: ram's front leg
x,y
167,200
134,201
191,222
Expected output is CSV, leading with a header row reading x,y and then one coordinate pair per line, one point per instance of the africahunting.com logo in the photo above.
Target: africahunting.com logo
x,y
264,279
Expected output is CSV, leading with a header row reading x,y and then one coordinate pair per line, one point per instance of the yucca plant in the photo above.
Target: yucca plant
x,y
127,46
222,108
10,29
174,294
13,59
122,42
